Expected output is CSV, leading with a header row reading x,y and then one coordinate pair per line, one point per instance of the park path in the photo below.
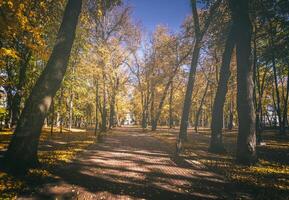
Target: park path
x,y
131,164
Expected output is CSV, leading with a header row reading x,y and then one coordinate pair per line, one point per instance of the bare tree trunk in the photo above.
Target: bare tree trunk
x,y
171,120
60,101
152,110
278,109
231,114
285,110
104,110
200,107
112,112
216,142
16,103
189,91
70,111
96,107
160,107
22,150
52,117
246,143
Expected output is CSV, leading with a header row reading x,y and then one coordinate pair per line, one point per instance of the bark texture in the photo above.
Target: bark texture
x,y
246,143
216,142
22,150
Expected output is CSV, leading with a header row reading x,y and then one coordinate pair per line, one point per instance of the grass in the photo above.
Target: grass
x,y
55,149
268,179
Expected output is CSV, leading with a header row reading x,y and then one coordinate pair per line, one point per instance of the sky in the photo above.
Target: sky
x,y
166,12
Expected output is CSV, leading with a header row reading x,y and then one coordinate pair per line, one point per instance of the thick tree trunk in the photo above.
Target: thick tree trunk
x,y
216,142
22,150
246,143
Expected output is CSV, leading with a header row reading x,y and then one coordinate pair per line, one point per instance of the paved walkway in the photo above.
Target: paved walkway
x,y
133,165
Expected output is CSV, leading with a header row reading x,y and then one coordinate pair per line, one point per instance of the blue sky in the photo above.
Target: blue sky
x,y
154,12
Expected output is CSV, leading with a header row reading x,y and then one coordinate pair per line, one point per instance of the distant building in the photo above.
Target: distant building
x,y
129,119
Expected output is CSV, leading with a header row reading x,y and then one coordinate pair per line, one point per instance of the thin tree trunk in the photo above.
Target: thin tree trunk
x,y
285,109
189,92
52,117
171,120
246,142
112,111
60,101
231,114
104,111
200,107
278,106
194,63
22,150
16,103
70,110
96,107
216,142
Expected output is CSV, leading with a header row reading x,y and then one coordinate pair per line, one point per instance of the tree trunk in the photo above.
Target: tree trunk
x,y
22,150
194,63
96,107
52,117
160,107
216,142
278,109
189,92
200,107
246,142
285,109
16,103
171,120
104,111
112,112
152,110
60,100
70,111
231,114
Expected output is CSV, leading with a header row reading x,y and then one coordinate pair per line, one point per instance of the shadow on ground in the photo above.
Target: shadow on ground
x,y
132,165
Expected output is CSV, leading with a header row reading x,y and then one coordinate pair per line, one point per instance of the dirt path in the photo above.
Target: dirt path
x,y
131,164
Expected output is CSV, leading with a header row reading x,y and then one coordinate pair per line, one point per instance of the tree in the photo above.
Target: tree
x,y
22,150
216,143
199,33
246,142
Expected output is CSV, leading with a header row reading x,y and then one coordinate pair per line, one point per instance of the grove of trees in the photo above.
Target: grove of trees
x,y
88,64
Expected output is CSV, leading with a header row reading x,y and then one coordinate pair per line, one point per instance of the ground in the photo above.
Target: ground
x,y
128,163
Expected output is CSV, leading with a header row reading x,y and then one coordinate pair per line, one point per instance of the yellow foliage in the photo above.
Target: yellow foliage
x,y
9,53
